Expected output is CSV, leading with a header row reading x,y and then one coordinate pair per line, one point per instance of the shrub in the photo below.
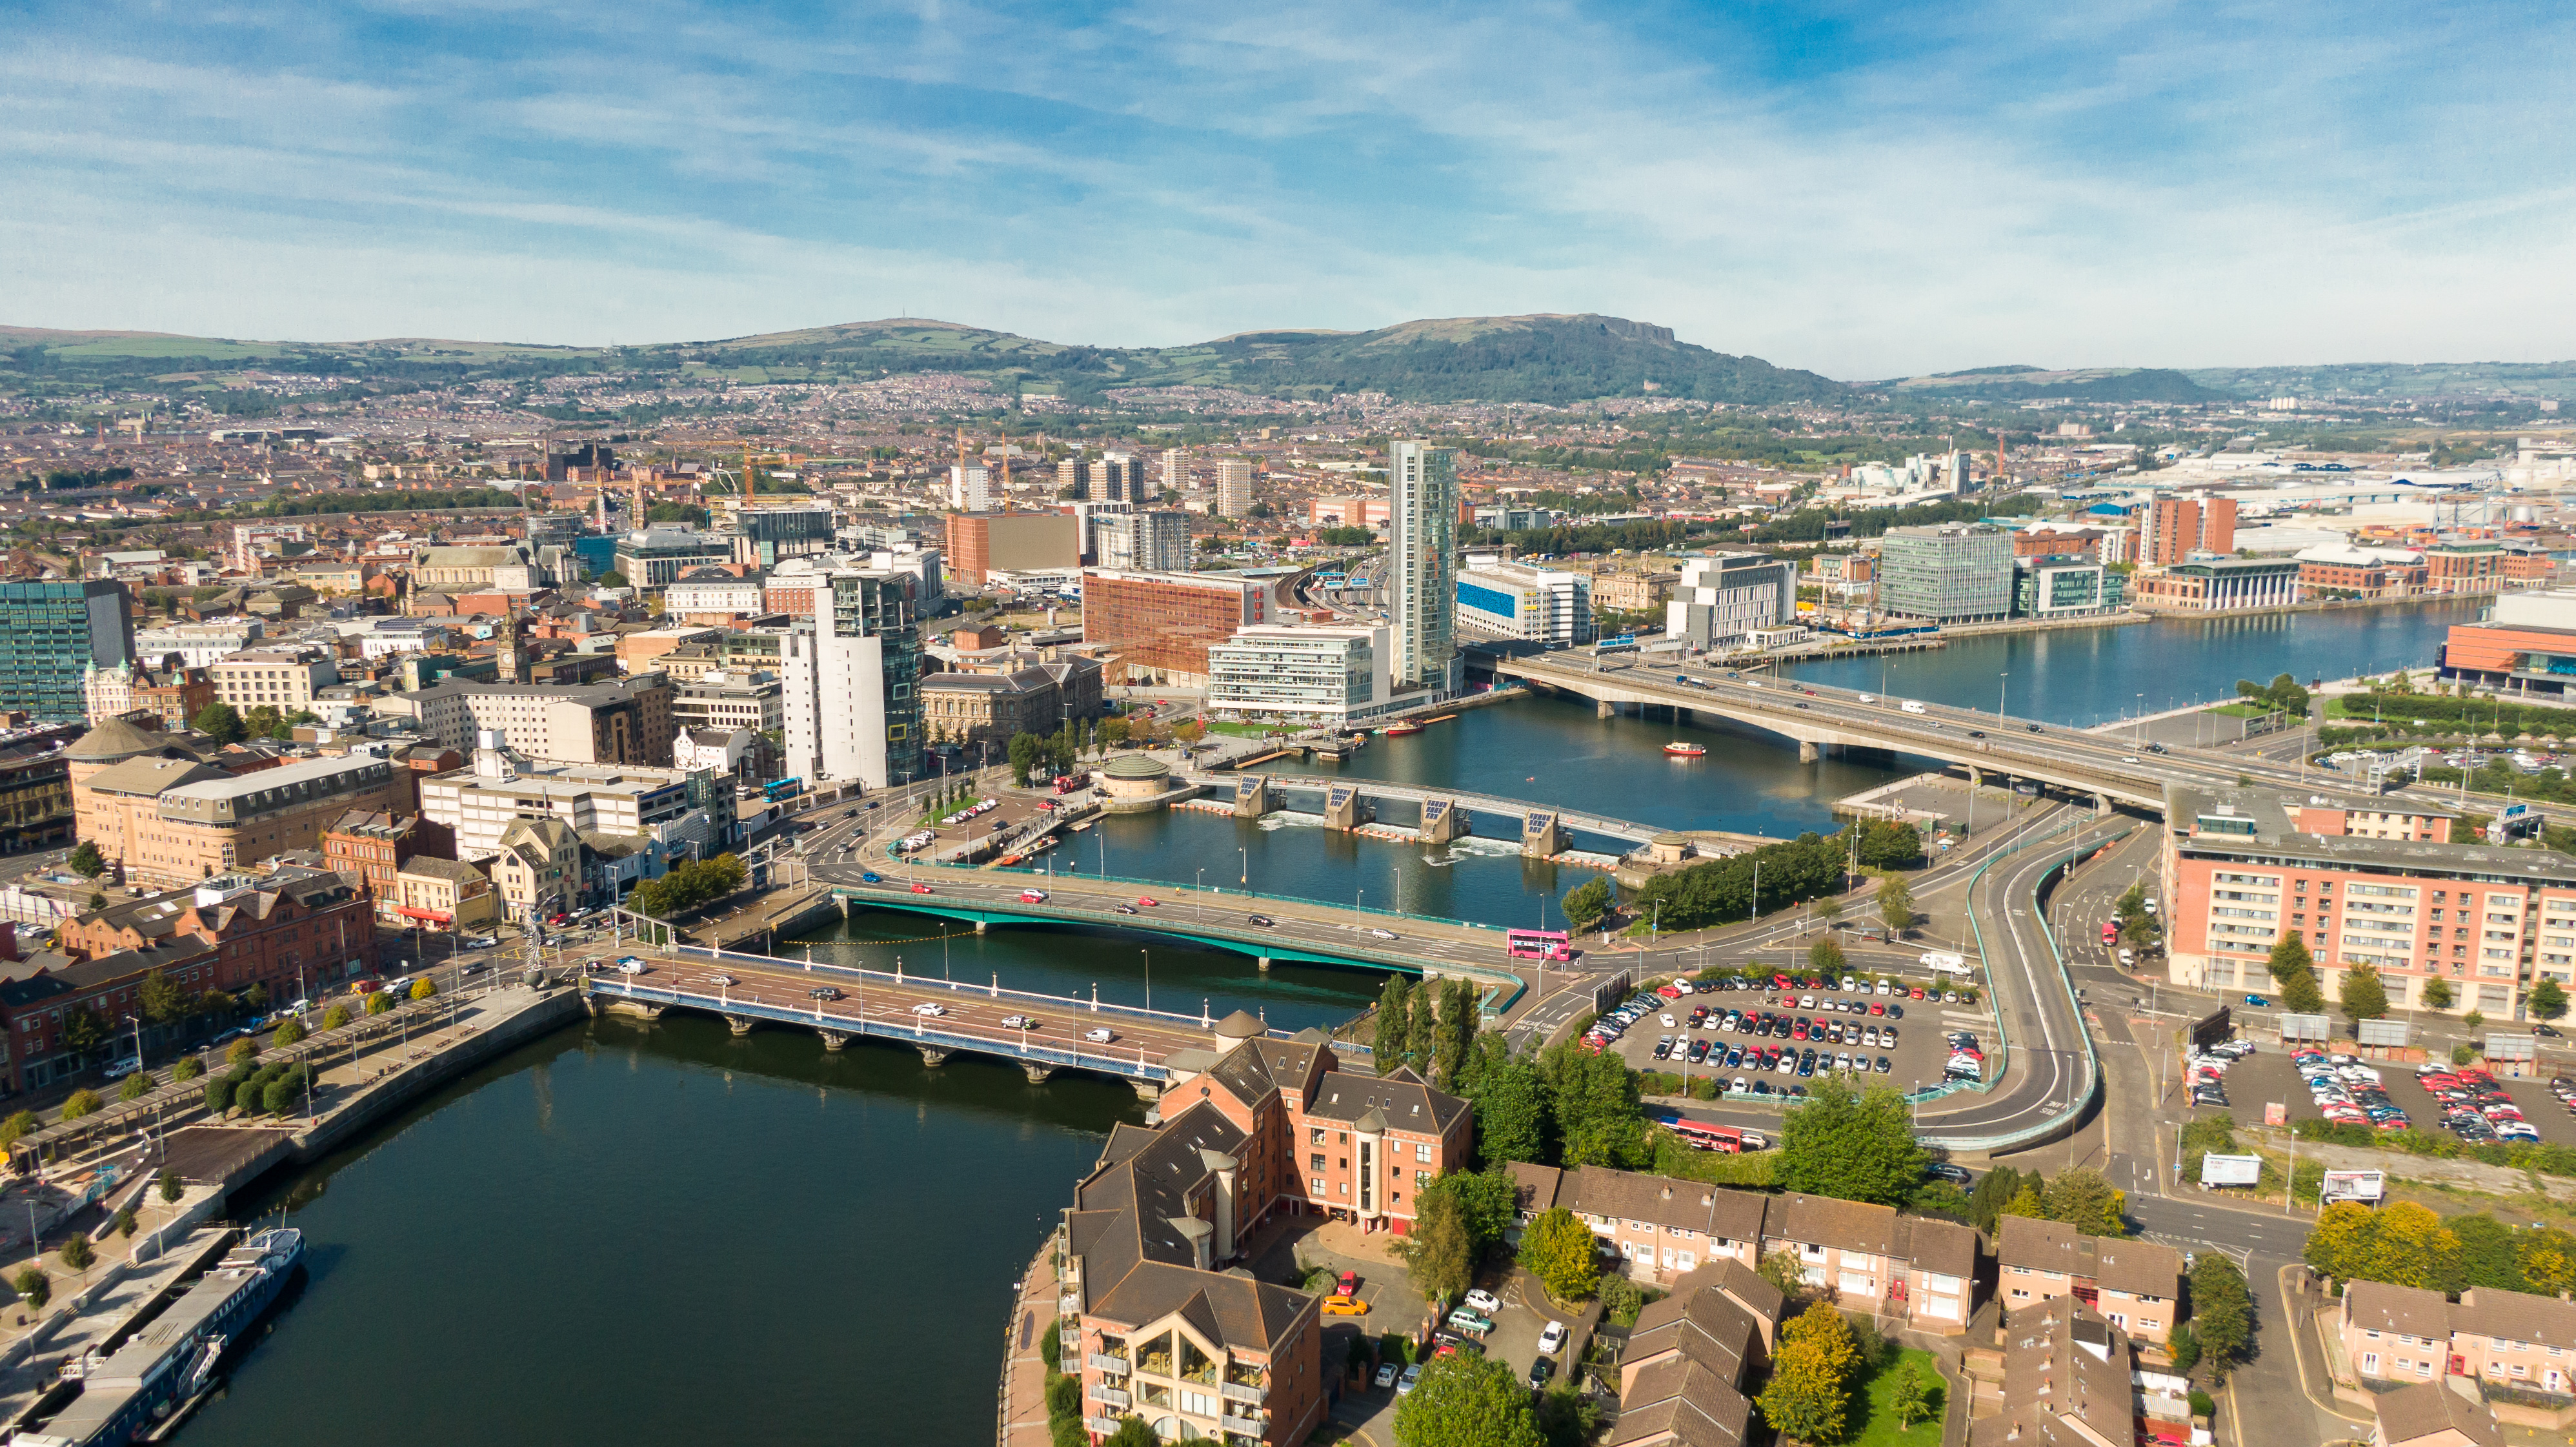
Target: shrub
x,y
279,1098
16,1127
170,1186
1063,1395
76,1252
241,1052
34,1288
124,1223
288,1033
335,1017
83,1102
1051,1347
2463,1054
422,989
2201,1405
135,1086
379,1002
188,1068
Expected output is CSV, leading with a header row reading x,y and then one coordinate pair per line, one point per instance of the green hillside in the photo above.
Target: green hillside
x,y
2089,384
2464,380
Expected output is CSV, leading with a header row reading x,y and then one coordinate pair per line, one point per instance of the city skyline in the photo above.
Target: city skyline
x,y
1866,193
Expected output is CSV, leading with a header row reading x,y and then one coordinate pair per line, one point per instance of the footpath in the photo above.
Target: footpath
x,y
1022,1405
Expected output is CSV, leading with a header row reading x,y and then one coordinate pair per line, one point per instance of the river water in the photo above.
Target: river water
x,y
662,1234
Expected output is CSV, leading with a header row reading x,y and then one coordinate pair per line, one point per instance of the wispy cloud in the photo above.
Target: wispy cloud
x,y
1864,189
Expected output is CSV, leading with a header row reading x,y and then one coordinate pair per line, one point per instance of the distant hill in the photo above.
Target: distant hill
x,y
2462,380
1546,359
2088,384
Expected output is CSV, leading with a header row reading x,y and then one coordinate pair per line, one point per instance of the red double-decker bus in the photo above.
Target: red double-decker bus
x,y
1538,944
1700,1135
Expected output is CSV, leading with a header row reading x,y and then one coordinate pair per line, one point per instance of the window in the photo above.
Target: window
x,y
1319,1186
1315,1163
2370,1363
1422,1152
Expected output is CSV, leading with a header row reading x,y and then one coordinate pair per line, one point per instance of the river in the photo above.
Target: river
x,y
662,1234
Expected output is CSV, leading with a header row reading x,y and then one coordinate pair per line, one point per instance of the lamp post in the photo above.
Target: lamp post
x,y
1198,893
1149,978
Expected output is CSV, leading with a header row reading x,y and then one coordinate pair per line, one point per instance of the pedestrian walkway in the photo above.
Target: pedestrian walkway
x,y
39,1343
1022,1400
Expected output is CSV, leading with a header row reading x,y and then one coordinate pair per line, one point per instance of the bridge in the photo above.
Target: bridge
x,y
1301,930
1519,812
939,1018
1817,718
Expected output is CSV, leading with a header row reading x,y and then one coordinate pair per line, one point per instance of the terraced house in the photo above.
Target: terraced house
x,y
2505,1338
1695,1359
2135,1285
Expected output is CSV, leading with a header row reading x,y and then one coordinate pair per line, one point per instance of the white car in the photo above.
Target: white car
x,y
727,981
1100,1036
1552,1340
927,1009
1018,1022
1484,1301
1412,1378
1381,934
632,966
1665,1020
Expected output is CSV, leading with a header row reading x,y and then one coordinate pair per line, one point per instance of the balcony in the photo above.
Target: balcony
x,y
1109,1397
1244,1425
1102,1426
1115,1366
1253,1394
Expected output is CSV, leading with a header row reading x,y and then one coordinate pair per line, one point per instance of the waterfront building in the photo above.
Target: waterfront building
x,y
478,804
369,847
1537,605
2367,880
2525,642
538,868
2341,570
444,894
198,644
1158,627
1722,598
50,632
1951,573
2180,527
285,679
1622,591
1153,542
2510,1340
2219,584
2136,1285
990,705
983,543
851,694
1234,487
1334,676
174,820
2464,567
1422,566
2065,587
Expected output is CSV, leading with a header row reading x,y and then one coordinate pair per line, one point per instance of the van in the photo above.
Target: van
x,y
1942,963
1910,706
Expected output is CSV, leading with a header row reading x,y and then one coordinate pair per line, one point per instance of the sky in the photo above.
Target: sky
x,y
1868,190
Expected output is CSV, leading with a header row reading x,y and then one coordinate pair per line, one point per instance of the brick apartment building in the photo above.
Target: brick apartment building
x,y
2464,568
2367,880
2135,1285
1252,1127
173,821
2177,527
2508,1339
1695,1359
370,847
1915,1268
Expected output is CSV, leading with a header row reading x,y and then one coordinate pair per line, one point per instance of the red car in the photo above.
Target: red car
x,y
1349,1285
1917,995
1877,1008
1148,901
922,889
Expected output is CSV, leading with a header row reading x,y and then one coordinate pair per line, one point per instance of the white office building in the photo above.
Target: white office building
x,y
1326,676
1234,487
688,810
1176,469
1422,566
197,644
1153,542
1534,605
834,702
1723,599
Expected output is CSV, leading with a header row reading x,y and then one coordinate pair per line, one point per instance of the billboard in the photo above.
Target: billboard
x,y
2511,1047
2211,1028
2367,1187
2218,1170
2383,1032
2304,1027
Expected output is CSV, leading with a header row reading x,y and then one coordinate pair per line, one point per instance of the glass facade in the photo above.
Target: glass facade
x,y
1163,624
883,608
1951,574
1422,556
50,632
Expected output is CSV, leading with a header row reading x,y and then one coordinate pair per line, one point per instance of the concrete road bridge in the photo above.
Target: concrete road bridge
x,y
1040,1033
1814,718
1540,827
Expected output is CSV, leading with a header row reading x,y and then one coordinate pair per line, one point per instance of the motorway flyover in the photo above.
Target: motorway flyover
x,y
1815,718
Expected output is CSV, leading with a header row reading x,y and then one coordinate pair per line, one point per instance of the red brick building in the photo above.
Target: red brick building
x,y
369,849
2180,526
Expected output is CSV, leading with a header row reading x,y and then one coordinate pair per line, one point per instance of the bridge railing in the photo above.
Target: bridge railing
x,y
917,1031
861,974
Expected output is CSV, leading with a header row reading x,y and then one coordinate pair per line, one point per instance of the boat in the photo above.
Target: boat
x,y
1399,730
172,1360
1678,749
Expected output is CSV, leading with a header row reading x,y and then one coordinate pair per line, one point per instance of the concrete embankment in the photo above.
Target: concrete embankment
x,y
504,1020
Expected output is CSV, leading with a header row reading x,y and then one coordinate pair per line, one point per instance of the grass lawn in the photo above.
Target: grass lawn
x,y
2240,710
1874,1422
1245,730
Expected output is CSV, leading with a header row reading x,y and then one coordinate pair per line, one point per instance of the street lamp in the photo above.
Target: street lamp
x,y
1149,978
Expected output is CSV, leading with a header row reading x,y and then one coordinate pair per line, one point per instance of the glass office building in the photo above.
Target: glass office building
x,y
49,632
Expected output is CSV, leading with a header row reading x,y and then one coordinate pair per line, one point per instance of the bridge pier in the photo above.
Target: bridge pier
x,y
1809,753
1342,807
1262,960
1036,1073
1542,834
931,1054
979,926
646,1009
1604,708
1976,777
1148,1089
1251,796
1441,821
833,1039
739,1024
2101,806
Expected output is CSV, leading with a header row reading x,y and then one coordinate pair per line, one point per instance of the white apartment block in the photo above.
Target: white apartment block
x,y
1514,600
713,595
1153,542
1422,566
1234,487
676,806
283,679
834,705
197,644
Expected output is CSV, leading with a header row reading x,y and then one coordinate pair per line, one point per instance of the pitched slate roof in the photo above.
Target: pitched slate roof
x,y
2405,1310
2040,1245
2426,1409
1823,1221
2516,1316
2052,1373
2140,1268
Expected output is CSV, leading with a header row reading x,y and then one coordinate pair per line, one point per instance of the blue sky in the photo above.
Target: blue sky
x,y
1868,190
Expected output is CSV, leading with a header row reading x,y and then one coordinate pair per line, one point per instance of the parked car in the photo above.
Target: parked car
x,y
1552,1340
1484,1301
1353,1306
1386,1374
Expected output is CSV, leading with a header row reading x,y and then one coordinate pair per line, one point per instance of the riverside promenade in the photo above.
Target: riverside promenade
x,y
1022,1399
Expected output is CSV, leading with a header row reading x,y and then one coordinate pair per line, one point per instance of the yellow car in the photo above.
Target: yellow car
x,y
1345,1306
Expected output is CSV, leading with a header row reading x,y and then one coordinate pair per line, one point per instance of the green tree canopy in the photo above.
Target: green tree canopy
x,y
1896,904
1559,1250
2437,994
2362,996
221,722
1487,1203
1439,1256
2222,1312
1513,1112
87,862
1586,903
2548,999
1467,1401
1596,1106
1852,1145
2290,958
1825,956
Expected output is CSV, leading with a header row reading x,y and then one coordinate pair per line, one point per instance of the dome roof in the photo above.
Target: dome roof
x,y
115,741
1670,840
1136,766
1241,1025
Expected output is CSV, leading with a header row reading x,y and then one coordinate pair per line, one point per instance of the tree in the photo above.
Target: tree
x,y
1512,1110
76,1252
163,1000
378,1002
335,1017
170,1186
2403,1245
613,578
134,1086
2548,999
15,1128
2362,997
1805,1400
422,989
1908,1397
2489,1255
2081,1198
1598,1116
2222,1312
1586,903
1825,956
1994,1190
2474,1019
219,1096
1467,1401
87,862
1782,1269
2183,1345
123,1224
1895,903
2290,958
1852,1145
1024,756
1558,1249
85,1030
1453,1031
2548,1261
185,1069
2437,994
34,1288
2300,993
82,1103
220,722
1438,1256
279,1097
1393,1037
1487,1203
289,1031
2026,1202
1829,909
241,1052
